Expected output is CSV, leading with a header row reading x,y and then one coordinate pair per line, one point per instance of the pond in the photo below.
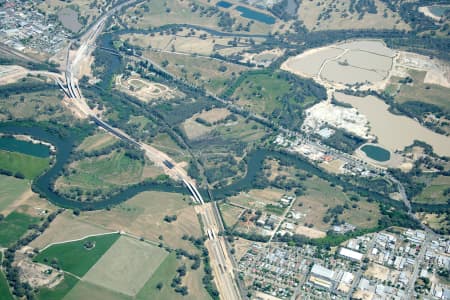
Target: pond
x,y
224,4
254,15
11,144
376,153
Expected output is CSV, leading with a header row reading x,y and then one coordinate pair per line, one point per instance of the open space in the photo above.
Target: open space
x,y
97,141
74,257
437,191
11,189
29,166
14,226
66,227
126,266
143,215
5,294
341,14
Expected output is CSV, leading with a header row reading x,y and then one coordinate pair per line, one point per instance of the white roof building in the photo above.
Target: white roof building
x,y
350,254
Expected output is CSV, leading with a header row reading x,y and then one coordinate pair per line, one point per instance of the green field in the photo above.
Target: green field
x,y
164,274
60,291
14,226
73,257
10,189
97,142
5,294
126,266
277,95
87,290
419,91
434,192
105,172
29,166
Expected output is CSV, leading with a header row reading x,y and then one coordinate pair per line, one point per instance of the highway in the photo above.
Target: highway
x,y
220,260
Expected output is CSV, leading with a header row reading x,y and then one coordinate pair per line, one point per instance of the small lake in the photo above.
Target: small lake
x,y
254,15
224,4
376,153
29,148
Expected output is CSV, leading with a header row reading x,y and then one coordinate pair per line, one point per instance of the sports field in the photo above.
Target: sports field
x,y
74,257
29,166
10,190
14,226
126,266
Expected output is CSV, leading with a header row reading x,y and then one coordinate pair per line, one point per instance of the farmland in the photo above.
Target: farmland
x,y
435,192
74,257
14,226
108,172
60,291
28,165
143,215
126,266
4,288
66,227
10,190
201,71
97,141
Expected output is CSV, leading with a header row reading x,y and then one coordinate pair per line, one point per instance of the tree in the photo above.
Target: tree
x,y
159,286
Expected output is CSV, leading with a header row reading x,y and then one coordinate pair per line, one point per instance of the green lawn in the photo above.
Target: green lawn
x,y
60,291
29,166
5,294
14,226
73,257
10,189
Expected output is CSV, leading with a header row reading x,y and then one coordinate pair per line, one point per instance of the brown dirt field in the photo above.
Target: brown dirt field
x,y
333,166
19,202
35,206
241,246
143,216
230,213
66,227
10,74
309,12
377,271
214,115
195,130
97,141
258,198
310,232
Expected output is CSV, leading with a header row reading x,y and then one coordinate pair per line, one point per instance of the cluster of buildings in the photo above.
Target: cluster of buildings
x,y
319,152
396,264
23,27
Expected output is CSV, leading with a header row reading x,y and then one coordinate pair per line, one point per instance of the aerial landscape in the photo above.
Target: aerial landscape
x,y
224,149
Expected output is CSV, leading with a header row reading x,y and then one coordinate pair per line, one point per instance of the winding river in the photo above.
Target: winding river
x,y
64,145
